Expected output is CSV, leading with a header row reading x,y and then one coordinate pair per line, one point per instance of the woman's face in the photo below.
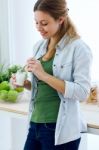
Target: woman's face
x,y
47,25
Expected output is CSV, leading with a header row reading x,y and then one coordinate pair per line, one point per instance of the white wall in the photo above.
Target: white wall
x,y
24,34
4,36
17,31
84,13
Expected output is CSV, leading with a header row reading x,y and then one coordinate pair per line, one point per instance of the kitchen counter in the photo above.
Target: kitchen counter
x,y
90,111
91,114
19,108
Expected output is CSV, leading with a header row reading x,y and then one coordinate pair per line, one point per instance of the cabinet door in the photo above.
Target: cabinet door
x,y
5,131
13,130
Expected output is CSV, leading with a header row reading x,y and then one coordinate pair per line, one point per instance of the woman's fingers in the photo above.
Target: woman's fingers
x,y
30,63
13,82
30,60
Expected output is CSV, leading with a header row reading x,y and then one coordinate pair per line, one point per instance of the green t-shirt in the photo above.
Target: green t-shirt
x,y
47,101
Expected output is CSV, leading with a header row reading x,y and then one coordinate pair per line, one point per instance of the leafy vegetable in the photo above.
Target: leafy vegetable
x,y
6,72
13,69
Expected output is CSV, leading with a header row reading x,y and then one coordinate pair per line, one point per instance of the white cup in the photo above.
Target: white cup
x,y
20,78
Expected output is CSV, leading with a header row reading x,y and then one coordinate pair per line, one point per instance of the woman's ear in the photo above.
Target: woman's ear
x,y
61,20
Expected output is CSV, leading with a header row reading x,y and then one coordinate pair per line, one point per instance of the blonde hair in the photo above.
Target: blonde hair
x,y
56,9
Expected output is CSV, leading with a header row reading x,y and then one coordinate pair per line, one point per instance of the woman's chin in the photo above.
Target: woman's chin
x,y
45,37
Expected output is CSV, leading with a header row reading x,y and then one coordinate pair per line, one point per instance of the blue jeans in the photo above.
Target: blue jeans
x,y
41,137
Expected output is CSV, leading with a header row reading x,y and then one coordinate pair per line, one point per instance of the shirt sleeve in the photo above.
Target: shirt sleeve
x,y
79,89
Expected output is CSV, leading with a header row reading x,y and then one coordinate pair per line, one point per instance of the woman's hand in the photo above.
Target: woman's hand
x,y
36,68
13,81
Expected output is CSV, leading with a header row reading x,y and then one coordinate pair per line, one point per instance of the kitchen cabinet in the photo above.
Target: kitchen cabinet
x,y
13,129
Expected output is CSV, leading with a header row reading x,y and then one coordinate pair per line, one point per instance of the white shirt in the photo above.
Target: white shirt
x,y
71,63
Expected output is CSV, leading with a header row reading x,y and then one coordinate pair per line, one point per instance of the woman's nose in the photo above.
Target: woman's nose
x,y
39,28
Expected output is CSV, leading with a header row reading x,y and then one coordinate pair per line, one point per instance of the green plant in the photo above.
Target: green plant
x,y
6,72
13,69
3,73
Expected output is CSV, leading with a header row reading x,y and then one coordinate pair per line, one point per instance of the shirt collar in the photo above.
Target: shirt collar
x,y
64,40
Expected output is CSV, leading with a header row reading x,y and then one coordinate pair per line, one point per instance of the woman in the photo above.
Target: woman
x,y
60,69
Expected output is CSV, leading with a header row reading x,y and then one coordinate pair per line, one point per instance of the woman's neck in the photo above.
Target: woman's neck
x,y
50,50
51,44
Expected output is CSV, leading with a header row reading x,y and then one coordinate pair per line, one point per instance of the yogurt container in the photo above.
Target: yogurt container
x,y
20,77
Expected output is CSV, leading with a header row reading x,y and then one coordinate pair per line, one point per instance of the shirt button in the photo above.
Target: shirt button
x,y
62,66
63,101
57,46
54,65
56,54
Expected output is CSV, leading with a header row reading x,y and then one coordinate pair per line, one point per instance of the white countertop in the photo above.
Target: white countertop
x,y
91,114
90,111
20,107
